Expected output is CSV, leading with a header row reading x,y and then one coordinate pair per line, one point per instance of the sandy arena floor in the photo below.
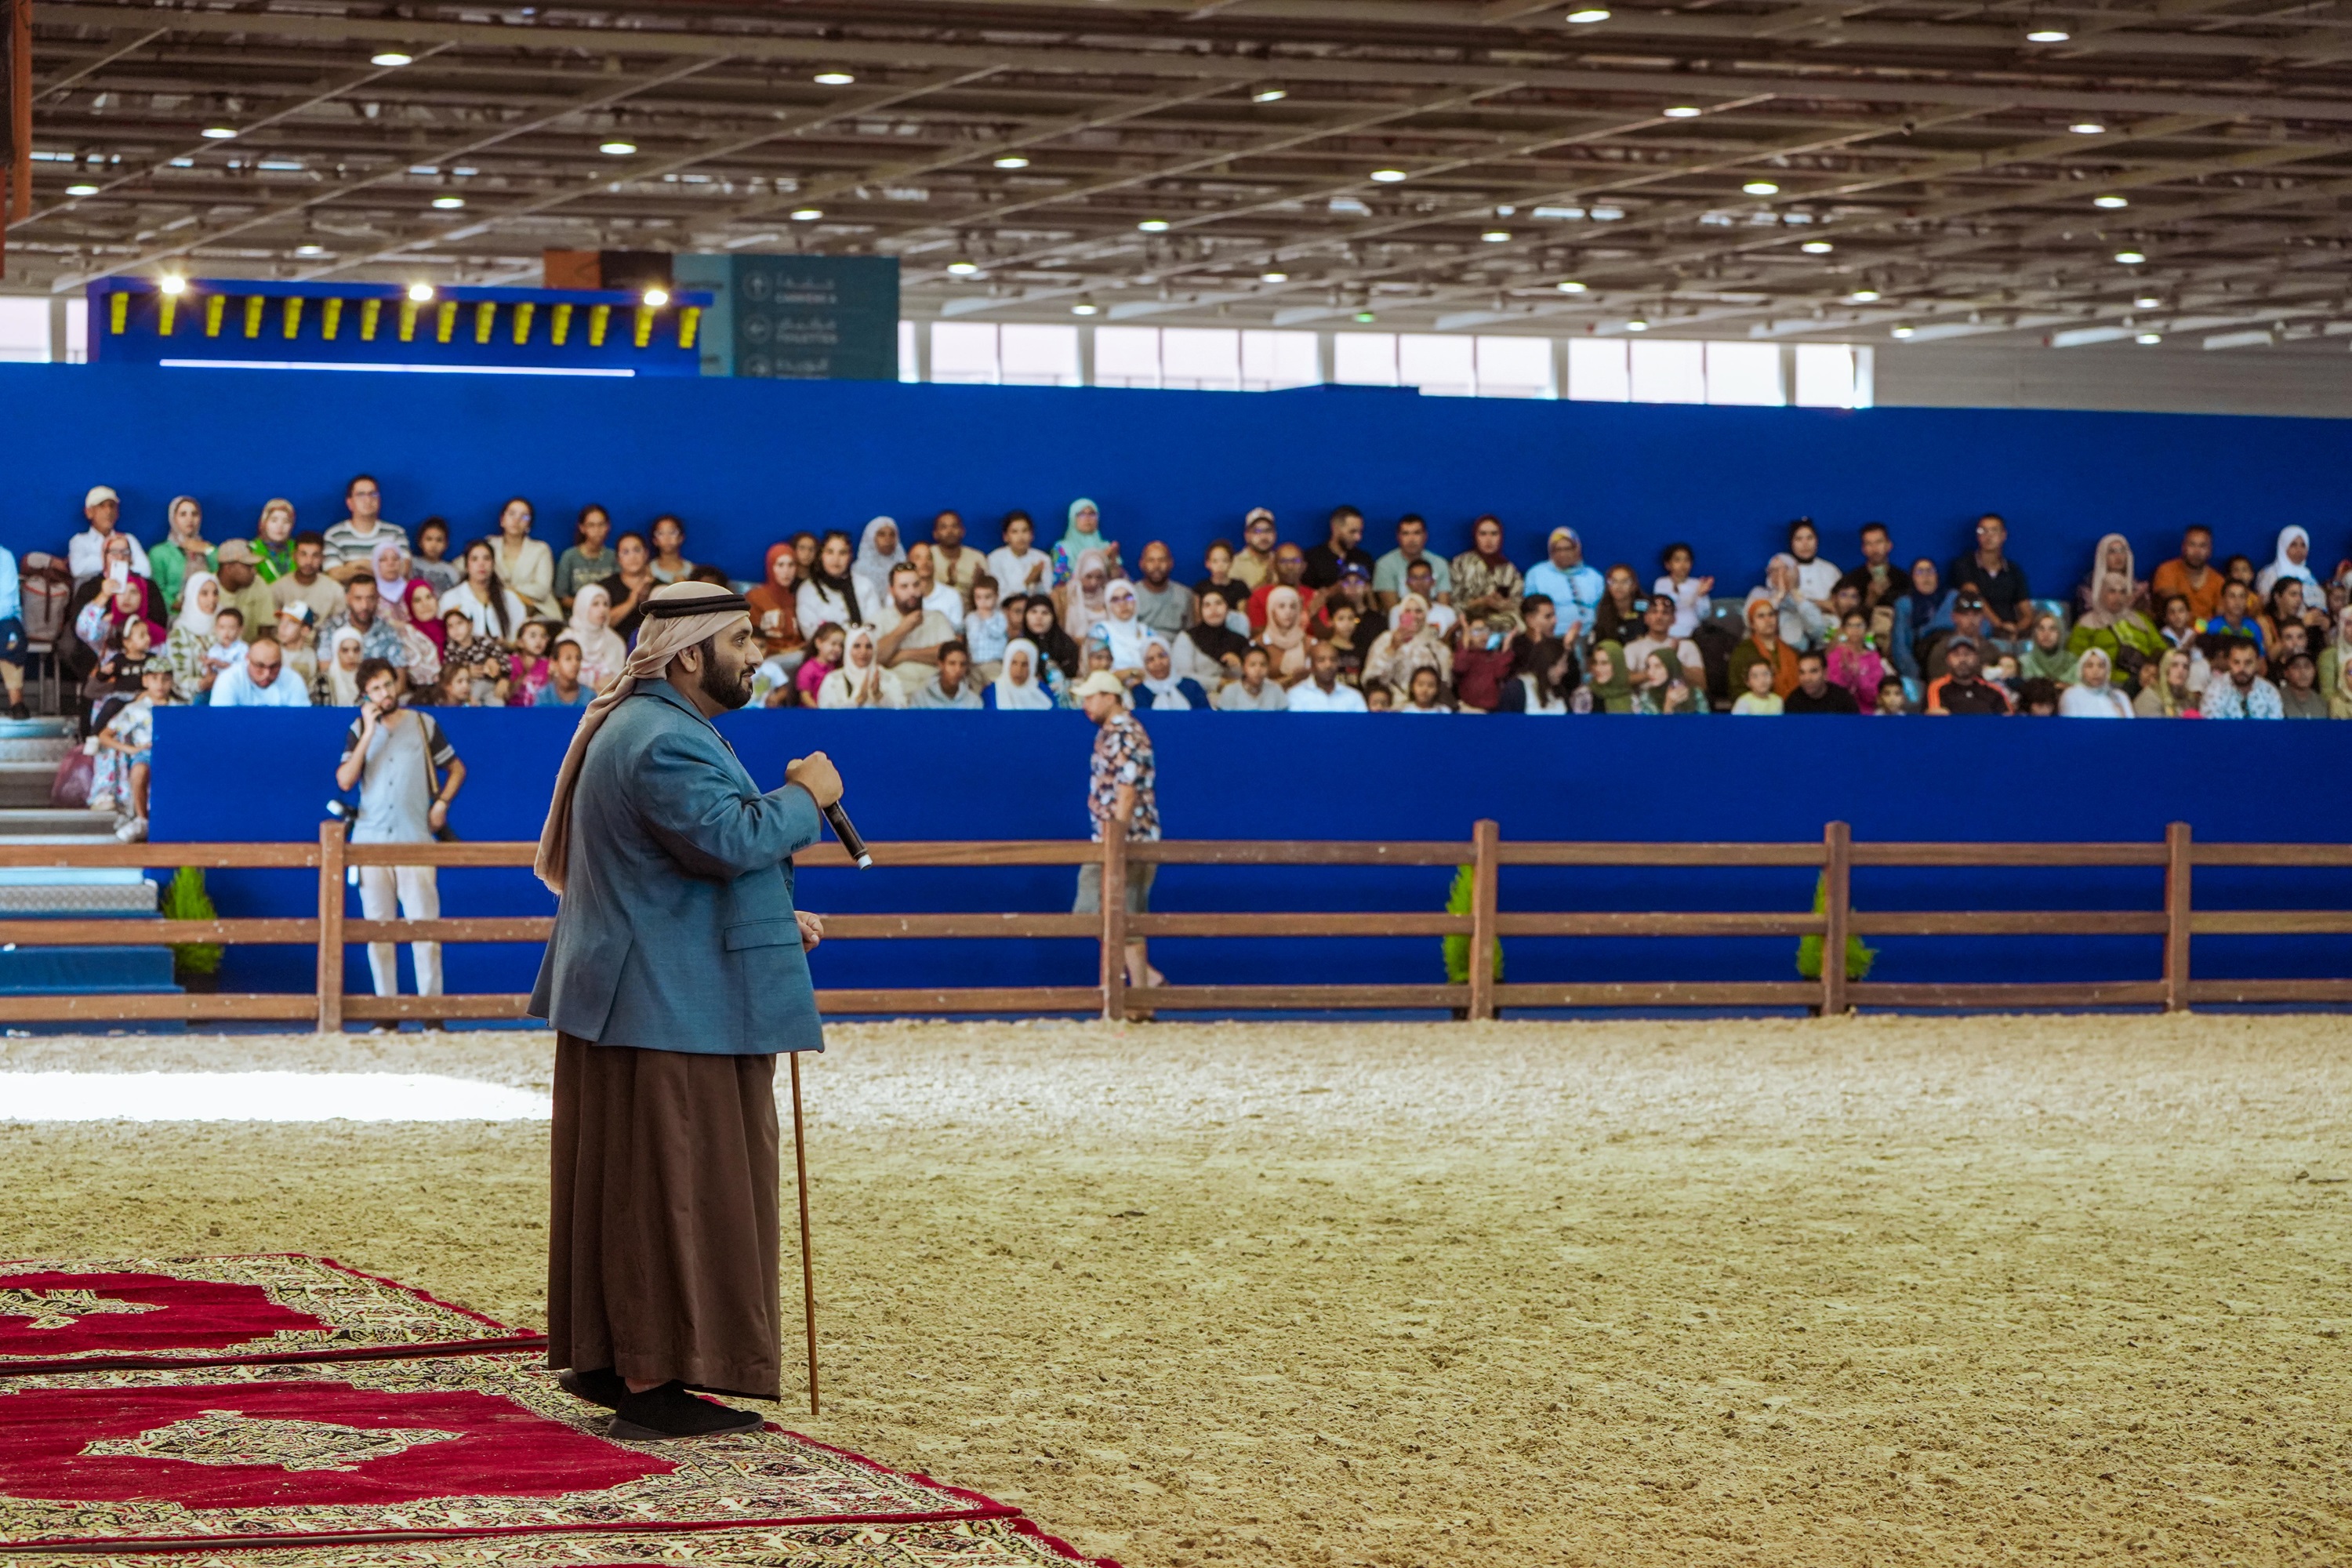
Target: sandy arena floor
x,y
1870,1292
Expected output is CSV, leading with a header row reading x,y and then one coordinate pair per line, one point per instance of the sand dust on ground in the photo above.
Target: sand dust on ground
x,y
1870,1291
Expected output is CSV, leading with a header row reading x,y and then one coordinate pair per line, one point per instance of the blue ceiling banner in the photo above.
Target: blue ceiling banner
x,y
798,318
248,324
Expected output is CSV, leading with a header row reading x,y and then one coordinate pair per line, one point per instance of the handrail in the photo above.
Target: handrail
x,y
1485,853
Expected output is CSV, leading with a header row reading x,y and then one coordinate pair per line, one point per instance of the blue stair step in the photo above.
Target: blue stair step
x,y
79,971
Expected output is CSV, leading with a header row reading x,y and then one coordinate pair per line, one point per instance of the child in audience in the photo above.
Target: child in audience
x,y
564,689
527,672
429,562
825,646
1427,693
126,754
227,649
295,621
483,660
1378,700
1759,700
1893,701
984,631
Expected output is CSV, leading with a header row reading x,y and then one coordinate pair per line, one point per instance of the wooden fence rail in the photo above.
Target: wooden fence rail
x,y
330,1007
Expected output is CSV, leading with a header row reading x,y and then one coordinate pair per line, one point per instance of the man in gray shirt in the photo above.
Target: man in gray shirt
x,y
952,687
1165,606
397,756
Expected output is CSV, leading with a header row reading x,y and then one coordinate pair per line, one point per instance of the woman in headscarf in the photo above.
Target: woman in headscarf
x,y
193,638
833,591
601,652
1926,608
273,540
183,551
1121,630
1043,627
1210,651
525,565
2292,560
424,654
2336,666
878,550
775,608
1285,637
394,577
861,681
1408,645
1160,689
2046,655
2093,696
2128,638
1605,677
421,608
2164,693
1081,601
1021,686
1485,581
89,622
339,673
1662,691
1764,642
2111,557
1802,623
1084,534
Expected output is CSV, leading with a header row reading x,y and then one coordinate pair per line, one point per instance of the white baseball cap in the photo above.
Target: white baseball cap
x,y
1101,683
99,493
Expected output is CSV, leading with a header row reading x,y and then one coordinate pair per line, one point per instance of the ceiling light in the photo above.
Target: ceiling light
x,y
172,283
616,149
2130,257
2148,302
1762,188
964,269
2087,128
2150,338
82,190
1570,286
833,78
1637,325
1901,332
391,57
1012,161
309,250
1268,93
2111,203
1506,210
1586,15
2048,36
1153,226
1274,275
1817,248
807,215
420,292
220,133
1388,176
1496,236
1864,296
1083,306
656,297
1681,111
448,204
1365,316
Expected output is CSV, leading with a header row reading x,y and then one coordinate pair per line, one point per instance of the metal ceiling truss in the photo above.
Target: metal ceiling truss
x,y
1440,164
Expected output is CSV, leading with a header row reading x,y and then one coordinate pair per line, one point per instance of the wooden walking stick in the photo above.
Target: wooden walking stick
x,y
808,1271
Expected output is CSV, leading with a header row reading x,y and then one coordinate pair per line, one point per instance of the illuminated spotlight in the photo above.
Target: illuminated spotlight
x,y
1083,306
2148,302
1817,248
1496,236
1761,188
1274,275
1681,111
1012,161
2048,36
964,269
309,250
616,149
172,283
1901,332
2130,257
420,292
1388,176
2087,128
1365,316
2150,338
82,190
1153,226
220,133
1637,325
391,57
1568,286
1586,15
2111,203
656,297
1268,93
807,215
448,204
1864,296
833,78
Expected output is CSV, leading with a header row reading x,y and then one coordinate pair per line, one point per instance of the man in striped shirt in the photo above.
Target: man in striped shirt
x,y
352,543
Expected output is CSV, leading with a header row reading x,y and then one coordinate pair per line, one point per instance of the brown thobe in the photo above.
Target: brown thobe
x,y
661,1246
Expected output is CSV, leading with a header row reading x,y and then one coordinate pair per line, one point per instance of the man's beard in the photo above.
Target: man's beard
x,y
729,689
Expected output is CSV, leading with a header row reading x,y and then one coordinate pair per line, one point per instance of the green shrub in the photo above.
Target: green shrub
x,y
185,900
1858,958
1459,900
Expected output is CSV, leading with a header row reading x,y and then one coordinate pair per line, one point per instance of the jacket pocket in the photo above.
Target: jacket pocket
x,y
762,933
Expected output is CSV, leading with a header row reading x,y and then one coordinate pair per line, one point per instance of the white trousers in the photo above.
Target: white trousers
x,y
420,899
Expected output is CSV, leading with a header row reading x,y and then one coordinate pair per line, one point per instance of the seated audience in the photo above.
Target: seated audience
x,y
2128,638
950,684
1027,682
564,689
1163,605
183,551
1284,634
339,673
273,540
775,607
1080,602
862,681
1425,695
1254,690
1970,619
1816,578
633,583
2291,564
1160,688
834,592
308,583
1759,700
953,566
2111,557
1921,612
1803,623
1608,676
2299,695
298,644
937,595
1853,661
1253,567
1656,631
668,562
1322,691
528,669
1618,617
1390,571
827,646
1547,686
488,677
2165,691
2236,623
1964,690
1042,624
1408,645
909,649
193,648
985,629
361,611
1289,569
1421,580
1485,580
431,559
584,561
494,609
1876,582
2045,656
1485,662
1998,580
242,588
1084,534
1019,567
1342,547
1353,590
524,564
2334,667
1573,588
352,542
260,680
121,670
1120,627
1686,594
1816,692
2191,575
86,551
1661,691
2038,698
1765,643
2092,694
1210,651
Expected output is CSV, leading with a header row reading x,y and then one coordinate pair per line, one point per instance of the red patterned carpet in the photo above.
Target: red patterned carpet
x,y
210,1312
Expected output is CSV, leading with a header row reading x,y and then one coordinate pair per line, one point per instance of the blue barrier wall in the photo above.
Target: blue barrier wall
x,y
748,463
257,775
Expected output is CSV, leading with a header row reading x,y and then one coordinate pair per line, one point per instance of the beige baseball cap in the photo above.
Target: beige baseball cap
x,y
99,493
1101,683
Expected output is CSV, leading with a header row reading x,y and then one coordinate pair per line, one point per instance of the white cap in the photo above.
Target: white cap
x,y
99,493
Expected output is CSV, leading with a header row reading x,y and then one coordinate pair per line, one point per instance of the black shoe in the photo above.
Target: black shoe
x,y
17,710
670,1411
604,1386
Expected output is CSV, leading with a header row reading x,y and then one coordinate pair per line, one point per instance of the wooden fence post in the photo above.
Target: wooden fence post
x,y
1113,920
1837,907
330,927
1485,869
2177,906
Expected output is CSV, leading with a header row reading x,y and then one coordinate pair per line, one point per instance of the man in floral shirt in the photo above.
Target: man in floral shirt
x,y
1121,787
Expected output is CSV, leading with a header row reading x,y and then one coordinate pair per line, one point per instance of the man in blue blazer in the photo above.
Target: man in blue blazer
x,y
677,973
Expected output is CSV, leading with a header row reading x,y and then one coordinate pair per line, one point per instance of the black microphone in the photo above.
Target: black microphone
x,y
838,820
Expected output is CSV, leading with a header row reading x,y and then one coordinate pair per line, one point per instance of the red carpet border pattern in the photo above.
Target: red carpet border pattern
x,y
211,1311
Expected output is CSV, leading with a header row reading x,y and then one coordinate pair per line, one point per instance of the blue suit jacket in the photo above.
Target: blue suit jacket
x,y
675,930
